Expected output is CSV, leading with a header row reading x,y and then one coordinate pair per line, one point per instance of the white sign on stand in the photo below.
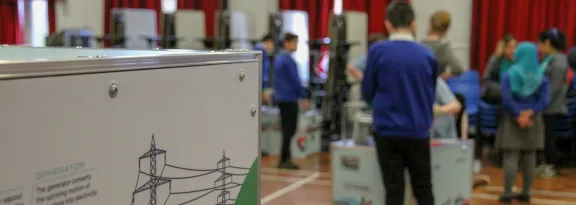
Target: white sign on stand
x,y
356,177
304,143
136,130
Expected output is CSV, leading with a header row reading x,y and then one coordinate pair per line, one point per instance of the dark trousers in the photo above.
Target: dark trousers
x,y
289,122
396,154
550,139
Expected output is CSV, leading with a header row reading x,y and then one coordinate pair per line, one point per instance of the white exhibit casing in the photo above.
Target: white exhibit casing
x,y
190,27
138,24
296,22
87,14
239,30
94,130
257,13
356,177
357,32
306,141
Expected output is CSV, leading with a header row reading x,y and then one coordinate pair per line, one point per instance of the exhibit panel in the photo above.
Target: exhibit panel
x,y
131,130
239,32
189,26
135,25
356,32
85,14
356,178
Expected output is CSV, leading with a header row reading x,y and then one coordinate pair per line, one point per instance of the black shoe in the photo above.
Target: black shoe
x,y
522,198
288,165
506,200
264,154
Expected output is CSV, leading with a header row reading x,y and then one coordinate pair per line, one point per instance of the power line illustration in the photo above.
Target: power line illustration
x,y
222,184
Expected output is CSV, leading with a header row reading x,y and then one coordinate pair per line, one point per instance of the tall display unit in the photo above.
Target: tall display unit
x,y
138,127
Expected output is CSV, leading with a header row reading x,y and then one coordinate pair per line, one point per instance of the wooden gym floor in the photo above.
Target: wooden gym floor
x,y
312,185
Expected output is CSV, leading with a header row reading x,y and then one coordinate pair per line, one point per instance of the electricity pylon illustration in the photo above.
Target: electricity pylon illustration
x,y
224,194
154,181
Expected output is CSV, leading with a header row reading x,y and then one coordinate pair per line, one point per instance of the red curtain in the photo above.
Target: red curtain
x,y
375,9
525,19
318,14
10,29
51,16
210,7
155,5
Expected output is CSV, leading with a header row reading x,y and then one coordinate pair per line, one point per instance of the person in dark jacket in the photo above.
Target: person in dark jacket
x,y
399,82
525,96
288,91
449,64
572,58
497,66
551,43
266,46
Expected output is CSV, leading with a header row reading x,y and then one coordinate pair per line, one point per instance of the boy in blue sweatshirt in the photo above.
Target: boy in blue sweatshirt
x,y
399,82
266,46
288,90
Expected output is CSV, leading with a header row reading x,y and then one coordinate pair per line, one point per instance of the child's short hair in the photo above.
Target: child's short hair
x,y
267,37
400,14
440,21
556,37
507,38
290,37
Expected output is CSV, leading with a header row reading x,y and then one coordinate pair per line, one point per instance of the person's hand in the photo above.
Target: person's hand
x,y
524,121
446,75
305,104
266,96
265,99
499,49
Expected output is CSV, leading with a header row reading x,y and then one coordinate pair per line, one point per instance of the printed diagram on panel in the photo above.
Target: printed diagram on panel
x,y
155,187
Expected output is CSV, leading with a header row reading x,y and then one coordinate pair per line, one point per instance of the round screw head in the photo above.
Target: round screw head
x,y
253,110
242,75
113,91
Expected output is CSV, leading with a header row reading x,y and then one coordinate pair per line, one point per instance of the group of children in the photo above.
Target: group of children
x,y
404,81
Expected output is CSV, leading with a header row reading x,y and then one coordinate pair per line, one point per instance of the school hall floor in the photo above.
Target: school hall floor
x,y
312,185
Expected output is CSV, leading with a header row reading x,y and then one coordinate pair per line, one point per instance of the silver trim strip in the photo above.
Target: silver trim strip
x,y
31,69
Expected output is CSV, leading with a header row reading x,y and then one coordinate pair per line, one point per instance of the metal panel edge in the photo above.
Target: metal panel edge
x,y
117,64
259,154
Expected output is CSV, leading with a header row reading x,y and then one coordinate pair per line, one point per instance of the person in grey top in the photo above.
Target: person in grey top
x,y
449,64
551,43
355,69
498,64
445,109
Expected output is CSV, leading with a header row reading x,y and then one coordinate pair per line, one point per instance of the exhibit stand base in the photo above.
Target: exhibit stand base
x,y
356,177
306,141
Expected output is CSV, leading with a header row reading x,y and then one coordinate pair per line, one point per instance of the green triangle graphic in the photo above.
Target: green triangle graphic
x,y
248,194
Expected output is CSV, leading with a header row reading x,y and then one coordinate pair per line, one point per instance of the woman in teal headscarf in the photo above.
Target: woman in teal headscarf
x,y
525,94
